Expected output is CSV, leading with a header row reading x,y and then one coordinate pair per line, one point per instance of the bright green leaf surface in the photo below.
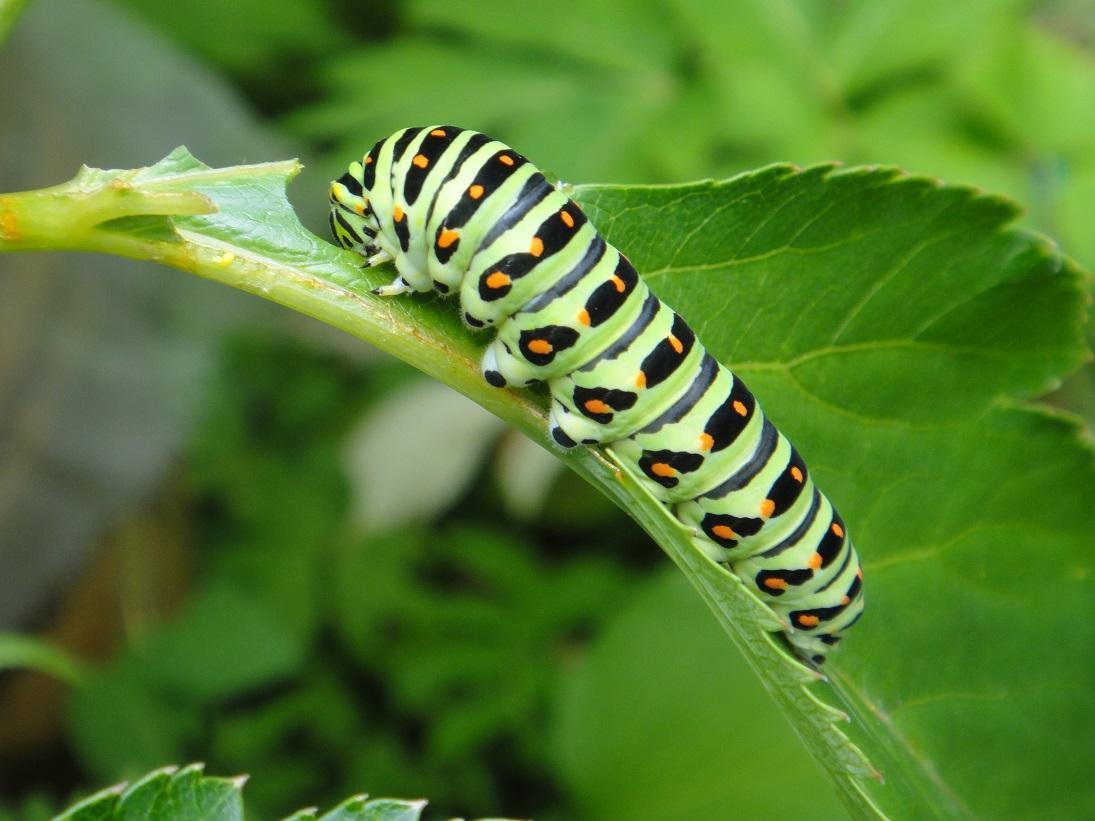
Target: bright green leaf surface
x,y
890,325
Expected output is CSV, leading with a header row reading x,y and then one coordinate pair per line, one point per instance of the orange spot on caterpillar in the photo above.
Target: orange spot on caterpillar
x,y
796,474
476,191
706,441
675,343
724,532
506,159
397,214
739,408
359,208
368,161
540,346
583,317
815,561
536,247
806,620
859,573
621,286
640,380
498,280
662,469
776,584
766,508
447,238
437,132
597,406
567,219
838,530
844,601
421,160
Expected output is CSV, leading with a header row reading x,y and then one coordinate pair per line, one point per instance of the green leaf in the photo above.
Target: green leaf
x,y
361,808
249,38
875,42
167,793
188,795
609,33
118,724
25,652
549,104
1038,87
224,644
892,325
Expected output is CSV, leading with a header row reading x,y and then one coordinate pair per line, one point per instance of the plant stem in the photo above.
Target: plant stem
x,y
9,13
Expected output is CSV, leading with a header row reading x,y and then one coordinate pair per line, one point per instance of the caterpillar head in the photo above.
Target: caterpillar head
x,y
353,223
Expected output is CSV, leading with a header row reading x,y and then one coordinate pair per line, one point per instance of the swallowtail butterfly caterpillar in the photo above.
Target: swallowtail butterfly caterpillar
x,y
461,213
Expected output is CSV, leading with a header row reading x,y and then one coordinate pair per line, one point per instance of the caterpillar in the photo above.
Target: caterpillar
x,y
461,213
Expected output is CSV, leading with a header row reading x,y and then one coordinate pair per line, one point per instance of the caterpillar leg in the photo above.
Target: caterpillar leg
x,y
490,370
394,288
409,277
572,427
556,429
379,258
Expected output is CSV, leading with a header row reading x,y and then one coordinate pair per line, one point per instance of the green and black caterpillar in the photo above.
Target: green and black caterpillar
x,y
459,212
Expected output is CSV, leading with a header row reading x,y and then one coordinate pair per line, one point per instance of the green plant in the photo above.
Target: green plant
x,y
912,324
189,794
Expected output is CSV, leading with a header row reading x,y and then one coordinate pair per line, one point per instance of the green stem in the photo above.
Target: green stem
x,y
9,13
22,652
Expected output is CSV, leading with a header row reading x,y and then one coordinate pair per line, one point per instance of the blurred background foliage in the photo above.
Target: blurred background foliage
x,y
277,551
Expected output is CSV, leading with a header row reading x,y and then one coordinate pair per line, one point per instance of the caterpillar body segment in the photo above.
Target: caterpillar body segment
x,y
466,215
